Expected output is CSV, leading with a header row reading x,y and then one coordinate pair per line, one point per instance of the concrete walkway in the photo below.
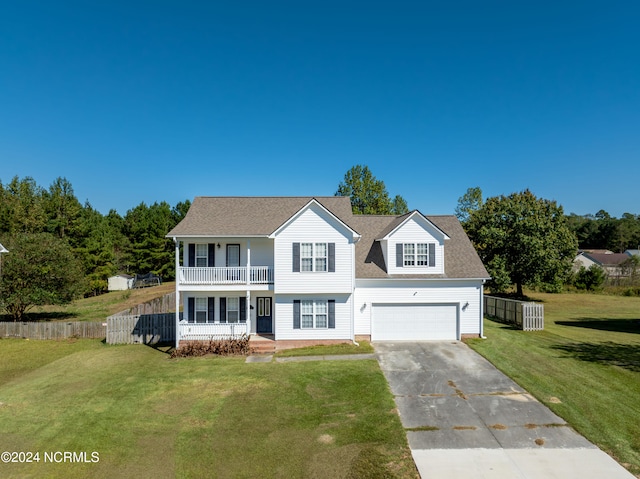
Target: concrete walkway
x,y
465,419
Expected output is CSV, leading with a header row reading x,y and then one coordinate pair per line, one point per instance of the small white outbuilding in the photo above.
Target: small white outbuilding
x,y
120,282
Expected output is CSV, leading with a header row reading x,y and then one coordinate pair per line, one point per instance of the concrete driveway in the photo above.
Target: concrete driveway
x,y
465,419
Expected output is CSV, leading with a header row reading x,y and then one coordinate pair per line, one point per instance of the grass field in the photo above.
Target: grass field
x,y
149,416
585,366
97,308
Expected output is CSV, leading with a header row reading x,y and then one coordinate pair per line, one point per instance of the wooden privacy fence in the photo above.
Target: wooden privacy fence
x,y
141,328
53,330
158,305
526,315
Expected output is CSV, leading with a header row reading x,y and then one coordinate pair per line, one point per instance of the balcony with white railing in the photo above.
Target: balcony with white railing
x,y
237,275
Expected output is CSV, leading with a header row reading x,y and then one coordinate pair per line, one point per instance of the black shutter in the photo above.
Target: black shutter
x,y
192,255
432,254
211,305
191,305
223,310
296,257
211,260
243,309
296,314
332,314
399,255
332,257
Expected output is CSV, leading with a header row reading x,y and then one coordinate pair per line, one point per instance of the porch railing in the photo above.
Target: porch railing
x,y
208,331
230,275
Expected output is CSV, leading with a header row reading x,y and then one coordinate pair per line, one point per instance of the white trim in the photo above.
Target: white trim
x,y
355,236
409,216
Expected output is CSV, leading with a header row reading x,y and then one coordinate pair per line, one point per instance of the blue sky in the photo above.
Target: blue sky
x,y
165,100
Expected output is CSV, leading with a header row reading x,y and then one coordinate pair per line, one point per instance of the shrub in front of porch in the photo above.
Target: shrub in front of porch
x,y
220,347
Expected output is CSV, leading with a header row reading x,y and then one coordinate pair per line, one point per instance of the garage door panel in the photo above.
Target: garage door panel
x,y
414,322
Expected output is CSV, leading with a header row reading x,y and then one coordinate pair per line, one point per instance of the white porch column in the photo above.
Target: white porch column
x,y
177,243
248,312
248,261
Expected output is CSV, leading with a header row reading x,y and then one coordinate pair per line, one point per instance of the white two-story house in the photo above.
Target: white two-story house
x,y
305,270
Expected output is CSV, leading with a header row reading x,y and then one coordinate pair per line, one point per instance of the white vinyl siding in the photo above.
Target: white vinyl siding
x,y
416,239
314,226
464,293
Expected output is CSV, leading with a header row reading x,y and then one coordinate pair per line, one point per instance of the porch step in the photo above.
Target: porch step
x,y
262,345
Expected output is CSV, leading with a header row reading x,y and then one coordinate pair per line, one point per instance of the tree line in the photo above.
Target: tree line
x,y
101,245
61,249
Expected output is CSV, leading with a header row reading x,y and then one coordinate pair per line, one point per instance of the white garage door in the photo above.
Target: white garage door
x,y
414,322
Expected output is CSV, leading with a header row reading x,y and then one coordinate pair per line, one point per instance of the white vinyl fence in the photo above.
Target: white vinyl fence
x,y
528,316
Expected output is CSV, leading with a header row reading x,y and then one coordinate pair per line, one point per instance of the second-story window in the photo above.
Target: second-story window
x,y
201,255
415,254
313,256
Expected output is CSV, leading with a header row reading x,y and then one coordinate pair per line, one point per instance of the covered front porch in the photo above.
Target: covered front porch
x,y
228,314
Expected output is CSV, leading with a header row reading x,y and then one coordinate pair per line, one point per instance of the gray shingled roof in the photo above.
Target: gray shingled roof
x,y
249,215
261,216
460,257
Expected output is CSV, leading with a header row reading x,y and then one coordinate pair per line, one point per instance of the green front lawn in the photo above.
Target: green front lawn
x,y
150,416
585,366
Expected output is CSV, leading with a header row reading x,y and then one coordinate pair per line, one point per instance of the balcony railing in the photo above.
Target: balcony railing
x,y
231,275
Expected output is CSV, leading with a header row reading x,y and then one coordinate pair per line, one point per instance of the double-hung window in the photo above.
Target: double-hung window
x,y
233,310
416,254
409,254
202,258
201,310
313,256
313,314
422,254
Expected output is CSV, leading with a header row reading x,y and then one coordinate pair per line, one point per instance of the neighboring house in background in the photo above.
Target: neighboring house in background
x,y
596,251
306,270
120,282
611,263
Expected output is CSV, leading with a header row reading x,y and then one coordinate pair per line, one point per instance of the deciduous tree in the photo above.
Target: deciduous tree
x,y
524,239
39,269
468,203
369,195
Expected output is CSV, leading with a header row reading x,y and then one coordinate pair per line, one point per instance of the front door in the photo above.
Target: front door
x,y
265,316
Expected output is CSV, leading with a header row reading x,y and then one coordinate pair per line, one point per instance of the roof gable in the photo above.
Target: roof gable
x,y
311,204
395,226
